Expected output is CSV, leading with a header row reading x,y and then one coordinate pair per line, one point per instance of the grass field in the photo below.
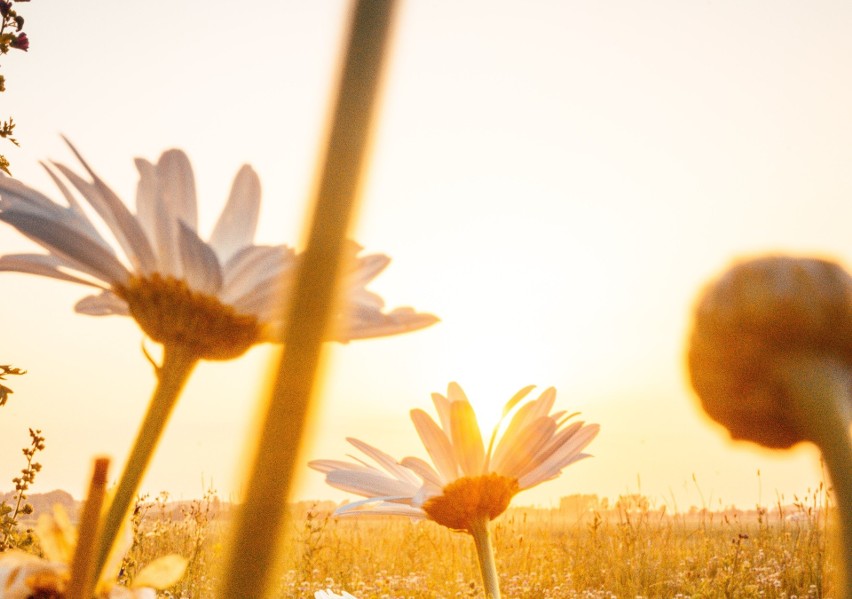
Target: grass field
x,y
541,554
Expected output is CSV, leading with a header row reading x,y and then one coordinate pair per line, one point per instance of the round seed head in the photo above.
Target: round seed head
x,y
758,313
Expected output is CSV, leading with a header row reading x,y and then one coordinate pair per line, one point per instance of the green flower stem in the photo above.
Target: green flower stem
x,y
822,405
178,363
250,564
485,553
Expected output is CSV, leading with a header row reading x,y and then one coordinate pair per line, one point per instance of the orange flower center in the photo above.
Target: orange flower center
x,y
171,313
47,584
471,498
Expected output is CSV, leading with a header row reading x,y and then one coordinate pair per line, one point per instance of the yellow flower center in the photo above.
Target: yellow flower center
x,y
173,314
470,498
47,584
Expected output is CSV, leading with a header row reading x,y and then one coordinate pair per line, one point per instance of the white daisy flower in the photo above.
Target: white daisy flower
x,y
23,575
215,297
466,482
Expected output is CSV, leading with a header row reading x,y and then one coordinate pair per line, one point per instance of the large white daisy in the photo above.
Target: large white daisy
x,y
215,297
24,575
466,483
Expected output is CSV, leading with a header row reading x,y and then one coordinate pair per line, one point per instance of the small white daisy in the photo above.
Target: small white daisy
x,y
466,482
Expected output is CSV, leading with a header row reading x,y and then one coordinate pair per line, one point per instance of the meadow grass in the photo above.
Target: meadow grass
x,y
541,554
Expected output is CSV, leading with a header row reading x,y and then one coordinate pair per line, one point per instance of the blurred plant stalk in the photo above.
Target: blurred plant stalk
x,y
821,387
770,357
83,579
250,564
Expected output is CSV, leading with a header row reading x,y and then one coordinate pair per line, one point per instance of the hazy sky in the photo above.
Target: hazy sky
x,y
554,180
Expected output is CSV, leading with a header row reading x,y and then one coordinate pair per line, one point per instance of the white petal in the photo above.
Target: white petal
x,y
437,444
326,466
361,323
266,300
523,448
75,248
116,215
176,187
200,265
365,299
540,475
236,226
14,195
252,266
82,220
465,435
365,269
369,484
560,458
166,240
424,470
426,492
517,397
442,406
560,438
389,508
17,568
543,404
17,197
518,422
103,304
386,461
45,265
161,573
146,199
507,408
174,203
456,393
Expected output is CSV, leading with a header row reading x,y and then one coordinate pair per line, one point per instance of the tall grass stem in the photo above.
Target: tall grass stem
x,y
83,581
253,551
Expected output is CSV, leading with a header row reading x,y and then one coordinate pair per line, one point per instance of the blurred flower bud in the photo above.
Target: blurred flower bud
x,y
19,22
21,42
5,7
758,314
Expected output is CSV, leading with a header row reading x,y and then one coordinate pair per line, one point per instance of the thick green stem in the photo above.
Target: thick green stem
x,y
485,553
178,363
822,405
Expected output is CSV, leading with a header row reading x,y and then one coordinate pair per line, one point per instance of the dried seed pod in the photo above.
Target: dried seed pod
x,y
749,323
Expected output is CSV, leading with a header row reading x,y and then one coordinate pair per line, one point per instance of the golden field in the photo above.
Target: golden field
x,y
626,551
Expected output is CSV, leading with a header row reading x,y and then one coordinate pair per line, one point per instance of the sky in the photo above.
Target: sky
x,y
555,180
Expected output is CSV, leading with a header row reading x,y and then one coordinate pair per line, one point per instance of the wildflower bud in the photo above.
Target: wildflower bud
x,y
19,22
749,324
21,42
5,7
